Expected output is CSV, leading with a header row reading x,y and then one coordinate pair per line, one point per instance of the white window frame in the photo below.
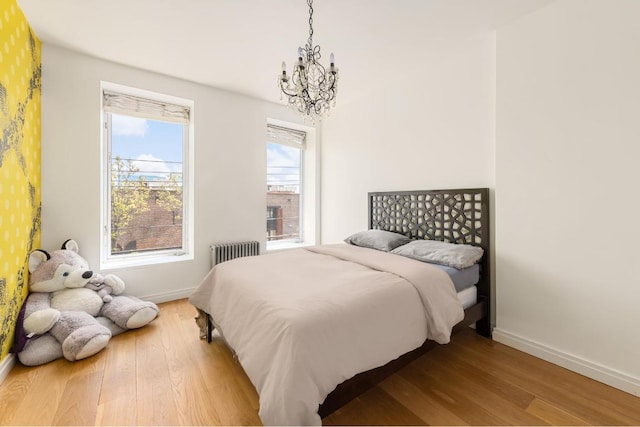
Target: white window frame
x,y
310,188
109,261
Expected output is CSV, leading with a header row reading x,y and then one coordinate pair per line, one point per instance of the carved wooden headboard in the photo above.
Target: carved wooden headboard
x,y
457,216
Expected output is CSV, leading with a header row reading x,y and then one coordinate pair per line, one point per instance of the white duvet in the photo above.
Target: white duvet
x,y
303,321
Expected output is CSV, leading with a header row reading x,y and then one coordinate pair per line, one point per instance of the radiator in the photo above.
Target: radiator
x,y
222,252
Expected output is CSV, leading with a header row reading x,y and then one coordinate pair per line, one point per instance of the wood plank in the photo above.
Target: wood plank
x,y
154,398
232,405
117,412
13,391
119,369
213,359
429,410
374,407
158,409
189,389
79,402
89,365
220,366
470,374
581,396
237,400
40,403
624,404
553,415
440,367
456,400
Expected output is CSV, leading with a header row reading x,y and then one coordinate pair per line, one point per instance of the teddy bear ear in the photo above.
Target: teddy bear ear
x,y
71,245
36,258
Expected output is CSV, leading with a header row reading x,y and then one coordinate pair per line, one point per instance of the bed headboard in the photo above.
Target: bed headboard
x,y
456,216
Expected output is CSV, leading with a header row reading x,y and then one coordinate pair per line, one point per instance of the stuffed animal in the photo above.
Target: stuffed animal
x,y
67,313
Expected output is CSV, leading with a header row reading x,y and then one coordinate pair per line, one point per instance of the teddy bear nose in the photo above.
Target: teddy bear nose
x,y
87,274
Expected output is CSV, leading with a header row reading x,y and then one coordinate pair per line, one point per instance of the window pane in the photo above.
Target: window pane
x,y
146,184
283,192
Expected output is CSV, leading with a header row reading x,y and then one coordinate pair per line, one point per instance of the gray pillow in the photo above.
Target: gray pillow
x,y
377,239
443,253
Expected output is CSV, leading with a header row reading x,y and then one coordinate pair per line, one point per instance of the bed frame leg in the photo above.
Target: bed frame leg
x,y
483,327
209,329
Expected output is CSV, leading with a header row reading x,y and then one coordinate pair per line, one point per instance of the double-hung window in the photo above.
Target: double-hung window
x,y
291,204
146,182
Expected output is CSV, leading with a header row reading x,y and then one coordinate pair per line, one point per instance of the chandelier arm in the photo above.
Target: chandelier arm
x,y
287,91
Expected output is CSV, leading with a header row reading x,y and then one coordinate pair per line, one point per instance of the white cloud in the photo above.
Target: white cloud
x,y
148,163
155,169
278,155
128,126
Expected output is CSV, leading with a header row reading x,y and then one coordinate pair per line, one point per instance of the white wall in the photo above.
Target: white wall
x,y
427,124
568,150
230,170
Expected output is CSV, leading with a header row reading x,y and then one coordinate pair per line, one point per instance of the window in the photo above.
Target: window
x,y
274,221
147,208
291,181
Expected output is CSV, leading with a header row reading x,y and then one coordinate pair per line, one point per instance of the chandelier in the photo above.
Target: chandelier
x,y
312,88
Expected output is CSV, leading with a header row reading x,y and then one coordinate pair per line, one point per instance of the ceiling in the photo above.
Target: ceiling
x,y
239,45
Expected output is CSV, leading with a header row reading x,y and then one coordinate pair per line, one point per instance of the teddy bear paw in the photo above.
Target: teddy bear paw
x,y
40,350
41,321
142,317
129,312
85,342
115,283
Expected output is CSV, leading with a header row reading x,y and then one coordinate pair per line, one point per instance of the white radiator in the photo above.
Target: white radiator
x,y
222,252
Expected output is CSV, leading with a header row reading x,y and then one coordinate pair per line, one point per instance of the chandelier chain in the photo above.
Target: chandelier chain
x,y
310,3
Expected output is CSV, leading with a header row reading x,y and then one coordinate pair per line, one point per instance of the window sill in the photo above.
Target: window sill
x,y
141,261
283,245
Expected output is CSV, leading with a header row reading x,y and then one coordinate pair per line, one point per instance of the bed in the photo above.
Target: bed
x,y
314,327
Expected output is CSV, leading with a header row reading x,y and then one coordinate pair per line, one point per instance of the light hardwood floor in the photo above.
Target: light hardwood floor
x,y
164,375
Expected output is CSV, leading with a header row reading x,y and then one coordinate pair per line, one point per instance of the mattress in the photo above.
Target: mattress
x,y
463,278
468,296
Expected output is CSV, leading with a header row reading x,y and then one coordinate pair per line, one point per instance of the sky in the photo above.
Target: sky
x,y
155,147
283,165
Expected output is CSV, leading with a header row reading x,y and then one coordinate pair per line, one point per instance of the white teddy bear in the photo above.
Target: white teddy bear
x,y
72,312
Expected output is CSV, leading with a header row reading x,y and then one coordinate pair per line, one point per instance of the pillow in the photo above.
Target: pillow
x,y
377,239
443,253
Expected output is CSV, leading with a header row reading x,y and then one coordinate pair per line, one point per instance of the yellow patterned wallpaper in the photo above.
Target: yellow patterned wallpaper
x,y
20,88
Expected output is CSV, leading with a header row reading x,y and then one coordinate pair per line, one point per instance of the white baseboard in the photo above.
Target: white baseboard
x,y
574,363
6,365
169,296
